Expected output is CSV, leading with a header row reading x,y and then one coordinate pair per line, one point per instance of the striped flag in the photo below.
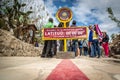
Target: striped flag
x,y
98,31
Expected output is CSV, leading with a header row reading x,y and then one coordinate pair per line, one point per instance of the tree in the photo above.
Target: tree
x,y
12,14
113,36
112,17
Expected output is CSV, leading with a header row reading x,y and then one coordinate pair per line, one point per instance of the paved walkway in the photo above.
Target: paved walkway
x,y
36,68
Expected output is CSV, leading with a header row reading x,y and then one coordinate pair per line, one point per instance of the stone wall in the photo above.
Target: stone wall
x,y
11,46
115,45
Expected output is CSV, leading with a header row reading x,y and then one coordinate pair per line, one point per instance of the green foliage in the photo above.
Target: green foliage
x,y
112,17
29,12
110,11
23,5
2,23
13,13
39,39
112,36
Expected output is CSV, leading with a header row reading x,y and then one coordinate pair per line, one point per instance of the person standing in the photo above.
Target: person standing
x,y
54,44
30,35
36,43
68,45
90,43
85,47
96,43
80,43
58,46
75,44
47,44
105,45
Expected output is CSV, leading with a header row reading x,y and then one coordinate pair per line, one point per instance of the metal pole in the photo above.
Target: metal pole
x,y
65,45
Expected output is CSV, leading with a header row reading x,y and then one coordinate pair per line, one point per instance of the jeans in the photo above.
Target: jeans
x,y
75,46
96,47
74,49
85,51
80,50
47,49
69,48
92,50
44,48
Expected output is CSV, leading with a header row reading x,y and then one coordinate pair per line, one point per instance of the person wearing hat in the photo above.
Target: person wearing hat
x,y
75,45
73,24
47,44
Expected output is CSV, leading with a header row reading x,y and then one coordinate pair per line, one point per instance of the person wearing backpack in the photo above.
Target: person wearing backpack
x,y
80,46
85,47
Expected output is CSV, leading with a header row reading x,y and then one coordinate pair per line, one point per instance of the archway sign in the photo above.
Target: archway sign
x,y
64,15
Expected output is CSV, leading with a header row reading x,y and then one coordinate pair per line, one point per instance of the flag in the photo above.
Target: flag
x,y
98,31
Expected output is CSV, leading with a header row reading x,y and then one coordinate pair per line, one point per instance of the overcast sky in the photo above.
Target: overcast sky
x,y
88,12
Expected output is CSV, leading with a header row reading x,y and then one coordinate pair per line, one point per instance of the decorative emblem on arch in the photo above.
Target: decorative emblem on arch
x,y
64,15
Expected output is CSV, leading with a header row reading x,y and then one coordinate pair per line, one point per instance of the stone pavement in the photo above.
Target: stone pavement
x,y
36,68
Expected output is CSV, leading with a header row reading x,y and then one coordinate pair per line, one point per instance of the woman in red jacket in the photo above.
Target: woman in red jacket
x,y
105,44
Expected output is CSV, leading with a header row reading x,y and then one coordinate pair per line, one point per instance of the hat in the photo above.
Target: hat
x,y
74,22
51,20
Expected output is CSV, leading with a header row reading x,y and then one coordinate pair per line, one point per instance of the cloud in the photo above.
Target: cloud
x,y
63,0
51,9
94,12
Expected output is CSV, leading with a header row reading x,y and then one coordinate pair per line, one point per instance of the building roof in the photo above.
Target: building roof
x,y
32,25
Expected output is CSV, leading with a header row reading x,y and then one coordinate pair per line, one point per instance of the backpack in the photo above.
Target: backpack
x,y
80,43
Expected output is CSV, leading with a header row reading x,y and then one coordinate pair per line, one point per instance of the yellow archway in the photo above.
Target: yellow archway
x,y
64,15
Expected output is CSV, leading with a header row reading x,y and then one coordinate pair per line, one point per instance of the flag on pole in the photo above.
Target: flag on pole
x,y
98,31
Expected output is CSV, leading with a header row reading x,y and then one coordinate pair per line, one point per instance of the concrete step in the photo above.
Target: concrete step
x,y
65,55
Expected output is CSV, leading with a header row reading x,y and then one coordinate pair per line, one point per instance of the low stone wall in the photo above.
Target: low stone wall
x,y
65,55
11,46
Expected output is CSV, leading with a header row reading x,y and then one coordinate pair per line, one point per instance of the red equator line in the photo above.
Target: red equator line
x,y
67,70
